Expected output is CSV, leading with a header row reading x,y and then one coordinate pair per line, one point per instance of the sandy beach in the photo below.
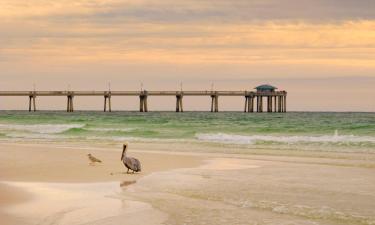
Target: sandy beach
x,y
43,184
28,167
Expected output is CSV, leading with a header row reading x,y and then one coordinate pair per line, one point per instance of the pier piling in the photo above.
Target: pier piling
x,y
145,104
107,96
69,107
215,102
275,106
179,106
246,103
284,102
251,104
260,103
29,103
143,101
32,104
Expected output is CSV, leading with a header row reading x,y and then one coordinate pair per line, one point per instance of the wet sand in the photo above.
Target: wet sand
x,y
246,191
9,196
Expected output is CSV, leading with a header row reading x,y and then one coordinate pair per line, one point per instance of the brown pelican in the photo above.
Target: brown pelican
x,y
130,162
93,160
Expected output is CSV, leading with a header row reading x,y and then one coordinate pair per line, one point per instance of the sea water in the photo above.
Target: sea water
x,y
316,131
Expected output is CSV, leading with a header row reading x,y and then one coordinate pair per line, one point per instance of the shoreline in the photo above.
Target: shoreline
x,y
346,159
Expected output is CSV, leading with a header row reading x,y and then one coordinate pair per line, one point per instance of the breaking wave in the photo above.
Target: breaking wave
x,y
254,139
110,129
40,128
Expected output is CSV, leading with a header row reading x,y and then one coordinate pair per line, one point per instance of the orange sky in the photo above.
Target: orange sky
x,y
321,52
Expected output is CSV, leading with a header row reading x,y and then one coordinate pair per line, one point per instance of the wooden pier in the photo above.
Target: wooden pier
x,y
275,100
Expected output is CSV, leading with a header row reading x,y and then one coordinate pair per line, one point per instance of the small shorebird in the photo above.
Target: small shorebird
x,y
93,160
130,162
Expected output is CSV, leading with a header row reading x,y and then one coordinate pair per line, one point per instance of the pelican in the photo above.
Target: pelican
x,y
93,160
130,162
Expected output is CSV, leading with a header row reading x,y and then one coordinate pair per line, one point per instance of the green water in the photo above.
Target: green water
x,y
295,129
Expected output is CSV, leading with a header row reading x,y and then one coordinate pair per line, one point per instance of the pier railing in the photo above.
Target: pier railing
x,y
276,100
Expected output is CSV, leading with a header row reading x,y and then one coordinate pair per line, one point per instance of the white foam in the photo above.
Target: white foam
x,y
40,128
130,138
33,136
252,139
110,129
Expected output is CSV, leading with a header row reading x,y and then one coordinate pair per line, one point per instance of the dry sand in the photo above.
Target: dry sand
x,y
41,163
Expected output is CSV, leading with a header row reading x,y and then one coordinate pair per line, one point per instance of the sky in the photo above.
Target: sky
x,y
321,51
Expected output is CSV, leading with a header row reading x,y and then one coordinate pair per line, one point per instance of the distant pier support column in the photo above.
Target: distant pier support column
x,y
246,103
251,104
32,102
275,103
143,102
217,103
107,96
260,103
70,107
285,102
269,103
214,103
279,103
179,106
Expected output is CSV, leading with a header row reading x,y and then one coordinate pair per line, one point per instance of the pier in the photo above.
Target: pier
x,y
275,100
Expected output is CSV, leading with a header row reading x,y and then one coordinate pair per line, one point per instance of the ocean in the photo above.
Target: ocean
x,y
314,131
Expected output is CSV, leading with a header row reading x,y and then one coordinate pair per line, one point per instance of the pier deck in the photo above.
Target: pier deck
x,y
276,100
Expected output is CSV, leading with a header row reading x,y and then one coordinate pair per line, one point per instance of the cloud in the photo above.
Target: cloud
x,y
194,43
238,11
246,34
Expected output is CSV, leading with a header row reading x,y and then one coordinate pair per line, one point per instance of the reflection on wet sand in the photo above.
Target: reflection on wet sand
x,y
127,183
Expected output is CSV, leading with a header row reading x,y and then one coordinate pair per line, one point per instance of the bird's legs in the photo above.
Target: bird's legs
x,y
127,171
